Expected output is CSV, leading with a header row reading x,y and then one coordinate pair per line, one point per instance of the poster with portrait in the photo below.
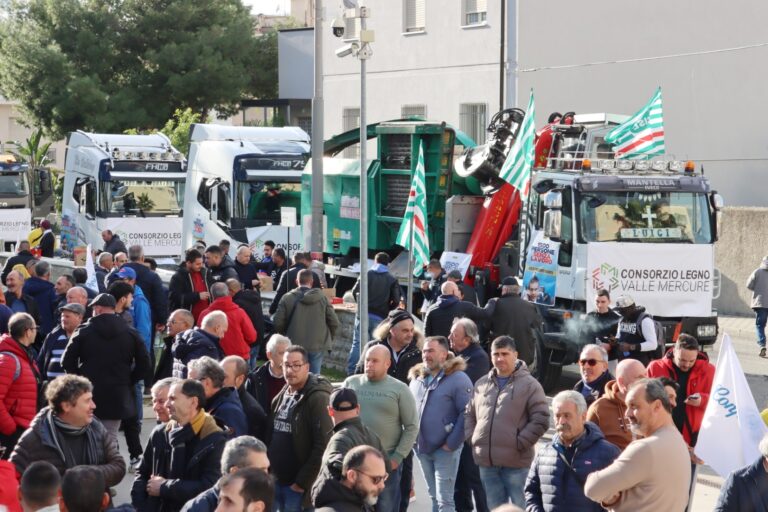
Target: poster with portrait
x,y
540,276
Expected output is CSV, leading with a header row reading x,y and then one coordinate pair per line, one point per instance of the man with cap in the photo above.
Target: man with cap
x,y
114,367
758,285
512,316
49,360
636,335
468,293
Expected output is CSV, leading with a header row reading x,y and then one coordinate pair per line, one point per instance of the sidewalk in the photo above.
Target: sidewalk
x,y
737,326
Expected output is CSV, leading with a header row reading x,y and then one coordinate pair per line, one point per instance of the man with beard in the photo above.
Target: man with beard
x,y
363,477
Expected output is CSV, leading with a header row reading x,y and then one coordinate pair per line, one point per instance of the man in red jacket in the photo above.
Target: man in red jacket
x,y
691,369
240,333
19,380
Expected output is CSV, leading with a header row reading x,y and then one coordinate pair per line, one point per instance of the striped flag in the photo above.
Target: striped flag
x,y
517,167
416,210
642,135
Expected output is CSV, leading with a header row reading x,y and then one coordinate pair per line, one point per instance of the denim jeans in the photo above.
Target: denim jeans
x,y
761,315
315,362
389,499
286,499
354,350
439,468
468,484
503,485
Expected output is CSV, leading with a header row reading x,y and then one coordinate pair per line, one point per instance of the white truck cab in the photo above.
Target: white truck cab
x,y
132,185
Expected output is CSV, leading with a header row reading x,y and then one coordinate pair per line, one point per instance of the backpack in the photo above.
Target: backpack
x,y
658,353
17,372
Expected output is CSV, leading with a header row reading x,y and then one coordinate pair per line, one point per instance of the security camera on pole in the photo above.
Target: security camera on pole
x,y
360,47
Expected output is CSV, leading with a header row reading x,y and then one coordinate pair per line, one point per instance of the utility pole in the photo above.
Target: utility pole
x,y
317,234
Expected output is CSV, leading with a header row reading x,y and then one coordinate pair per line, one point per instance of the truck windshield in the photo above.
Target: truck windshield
x,y
142,197
13,185
671,217
261,201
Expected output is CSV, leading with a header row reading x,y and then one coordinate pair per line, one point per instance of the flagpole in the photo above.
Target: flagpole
x,y
410,264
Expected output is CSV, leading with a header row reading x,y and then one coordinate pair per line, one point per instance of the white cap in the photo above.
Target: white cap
x,y
624,301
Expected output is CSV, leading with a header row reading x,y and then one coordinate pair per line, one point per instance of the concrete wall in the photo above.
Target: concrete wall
x,y
742,244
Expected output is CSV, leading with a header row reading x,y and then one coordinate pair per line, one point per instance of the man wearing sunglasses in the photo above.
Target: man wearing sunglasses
x,y
364,474
593,364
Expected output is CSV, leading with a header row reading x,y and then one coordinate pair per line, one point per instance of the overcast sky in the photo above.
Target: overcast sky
x,y
269,6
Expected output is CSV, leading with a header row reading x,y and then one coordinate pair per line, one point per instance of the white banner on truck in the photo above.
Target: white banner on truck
x,y
666,279
160,236
15,224
289,238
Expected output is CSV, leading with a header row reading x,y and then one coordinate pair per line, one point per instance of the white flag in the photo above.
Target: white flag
x,y
91,282
732,427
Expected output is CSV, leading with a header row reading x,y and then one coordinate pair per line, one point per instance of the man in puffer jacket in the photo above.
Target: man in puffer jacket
x,y
198,342
556,479
240,334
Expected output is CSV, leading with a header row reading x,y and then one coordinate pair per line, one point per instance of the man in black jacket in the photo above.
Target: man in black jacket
x,y
221,402
22,256
112,242
431,289
290,279
448,307
250,301
515,317
104,265
190,286
246,269
113,357
151,285
467,293
235,372
219,269
363,475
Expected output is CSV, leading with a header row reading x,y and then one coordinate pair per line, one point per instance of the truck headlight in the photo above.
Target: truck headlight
x,y
706,331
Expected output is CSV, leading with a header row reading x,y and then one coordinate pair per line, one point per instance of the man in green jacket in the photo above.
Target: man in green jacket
x,y
306,317
301,426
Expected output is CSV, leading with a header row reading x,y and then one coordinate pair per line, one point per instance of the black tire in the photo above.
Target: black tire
x,y
548,375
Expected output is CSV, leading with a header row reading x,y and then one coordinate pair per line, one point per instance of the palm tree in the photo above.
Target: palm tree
x,y
32,152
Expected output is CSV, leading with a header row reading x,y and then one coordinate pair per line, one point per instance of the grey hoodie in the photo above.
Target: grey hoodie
x,y
758,284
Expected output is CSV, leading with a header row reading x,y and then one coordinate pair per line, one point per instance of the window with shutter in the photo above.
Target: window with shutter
x,y
475,12
413,110
472,120
415,15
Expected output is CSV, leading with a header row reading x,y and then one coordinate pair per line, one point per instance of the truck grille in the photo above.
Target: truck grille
x,y
397,195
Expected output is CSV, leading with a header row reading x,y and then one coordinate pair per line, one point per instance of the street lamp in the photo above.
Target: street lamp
x,y
360,48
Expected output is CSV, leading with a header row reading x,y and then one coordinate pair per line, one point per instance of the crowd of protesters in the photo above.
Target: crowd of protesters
x,y
246,421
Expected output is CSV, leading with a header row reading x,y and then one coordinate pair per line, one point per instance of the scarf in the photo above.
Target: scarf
x,y
62,431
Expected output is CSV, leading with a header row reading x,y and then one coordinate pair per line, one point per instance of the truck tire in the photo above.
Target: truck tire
x,y
548,375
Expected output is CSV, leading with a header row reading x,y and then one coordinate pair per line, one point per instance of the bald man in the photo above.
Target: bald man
x,y
388,408
608,412
449,306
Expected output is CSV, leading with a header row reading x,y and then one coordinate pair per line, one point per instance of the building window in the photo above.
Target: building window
x,y
413,110
414,15
474,12
351,120
472,121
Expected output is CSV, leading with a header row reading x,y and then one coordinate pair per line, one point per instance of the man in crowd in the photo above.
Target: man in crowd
x,y
383,296
757,283
69,419
80,275
239,453
220,402
555,479
289,280
179,321
448,307
634,481
19,380
247,273
593,364
186,461
389,410
104,265
250,302
746,489
39,489
114,368
465,343
112,242
279,266
40,288
599,326
140,308
266,381
266,263
22,256
636,336
150,284
431,289
123,295
16,299
83,490
224,245
79,295
442,391
301,426
61,287
190,285
199,342
364,474
219,269
506,417
246,490
49,360
608,412
240,333
466,292
306,316
235,372
517,318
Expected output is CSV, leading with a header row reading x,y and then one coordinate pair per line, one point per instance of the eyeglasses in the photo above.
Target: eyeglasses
x,y
590,362
294,366
375,479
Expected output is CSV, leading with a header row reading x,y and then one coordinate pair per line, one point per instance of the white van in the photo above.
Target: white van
x,y
132,185
245,185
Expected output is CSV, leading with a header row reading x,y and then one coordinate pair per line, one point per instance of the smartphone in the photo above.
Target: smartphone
x,y
694,396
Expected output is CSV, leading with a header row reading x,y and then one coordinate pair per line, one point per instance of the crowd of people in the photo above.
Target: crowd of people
x,y
246,421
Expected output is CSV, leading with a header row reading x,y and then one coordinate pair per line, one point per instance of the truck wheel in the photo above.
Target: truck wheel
x,y
548,375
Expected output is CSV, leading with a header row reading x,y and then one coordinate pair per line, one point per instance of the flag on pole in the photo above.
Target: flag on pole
x,y
416,216
642,135
91,282
732,427
517,167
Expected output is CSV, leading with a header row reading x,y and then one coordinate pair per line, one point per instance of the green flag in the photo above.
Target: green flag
x,y
642,135
416,216
517,167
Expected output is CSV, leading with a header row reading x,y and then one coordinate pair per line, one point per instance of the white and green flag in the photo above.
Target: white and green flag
x,y
642,135
416,216
517,167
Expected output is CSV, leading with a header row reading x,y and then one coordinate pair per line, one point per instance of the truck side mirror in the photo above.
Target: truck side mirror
x,y
553,200
717,214
553,220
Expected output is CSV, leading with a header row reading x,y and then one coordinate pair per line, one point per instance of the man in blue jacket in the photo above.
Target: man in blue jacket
x,y
746,489
442,391
556,479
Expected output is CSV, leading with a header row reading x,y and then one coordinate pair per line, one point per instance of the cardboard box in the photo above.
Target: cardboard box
x,y
329,292
267,283
80,254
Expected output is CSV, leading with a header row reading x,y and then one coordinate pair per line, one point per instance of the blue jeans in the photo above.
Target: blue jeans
x,y
286,499
354,350
503,485
315,362
389,499
439,468
761,315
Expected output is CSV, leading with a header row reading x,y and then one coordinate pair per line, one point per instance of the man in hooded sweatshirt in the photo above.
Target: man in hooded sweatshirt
x,y
308,319
758,285
240,333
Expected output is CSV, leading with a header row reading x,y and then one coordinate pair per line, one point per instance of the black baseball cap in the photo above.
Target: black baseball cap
x,y
509,281
103,299
343,399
